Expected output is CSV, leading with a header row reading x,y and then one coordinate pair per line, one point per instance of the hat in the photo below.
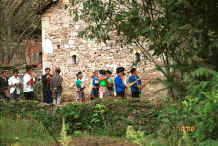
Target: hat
x,y
120,69
15,70
133,70
57,70
102,72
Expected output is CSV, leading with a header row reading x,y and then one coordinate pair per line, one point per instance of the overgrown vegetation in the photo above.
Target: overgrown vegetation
x,y
113,115
184,34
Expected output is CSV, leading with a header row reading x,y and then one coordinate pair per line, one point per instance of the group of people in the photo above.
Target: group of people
x,y
104,86
10,88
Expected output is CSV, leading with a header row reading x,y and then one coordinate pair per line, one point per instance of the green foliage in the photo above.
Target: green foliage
x,y
184,34
135,136
197,110
102,117
24,132
98,115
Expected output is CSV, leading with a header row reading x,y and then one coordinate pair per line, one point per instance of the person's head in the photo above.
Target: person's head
x,y
15,72
29,69
109,73
133,71
47,71
79,75
120,71
95,74
4,73
57,70
102,72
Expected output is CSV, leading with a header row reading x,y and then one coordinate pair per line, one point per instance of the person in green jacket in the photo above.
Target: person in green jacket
x,y
102,83
80,87
110,83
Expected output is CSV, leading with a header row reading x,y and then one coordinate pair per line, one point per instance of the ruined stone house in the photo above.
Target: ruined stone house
x,y
62,48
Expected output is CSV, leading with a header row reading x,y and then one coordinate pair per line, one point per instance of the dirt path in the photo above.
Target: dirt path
x,y
99,141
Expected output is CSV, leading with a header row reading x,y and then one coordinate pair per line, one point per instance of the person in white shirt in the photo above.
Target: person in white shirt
x,y
28,81
14,83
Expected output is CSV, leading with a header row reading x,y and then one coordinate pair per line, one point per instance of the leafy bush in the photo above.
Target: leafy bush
x,y
135,136
101,117
198,110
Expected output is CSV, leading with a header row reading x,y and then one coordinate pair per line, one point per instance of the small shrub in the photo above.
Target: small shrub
x,y
137,137
64,139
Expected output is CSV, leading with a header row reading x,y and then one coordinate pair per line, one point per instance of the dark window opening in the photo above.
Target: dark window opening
x,y
74,59
58,46
137,57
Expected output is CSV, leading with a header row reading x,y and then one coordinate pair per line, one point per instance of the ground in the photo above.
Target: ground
x,y
100,141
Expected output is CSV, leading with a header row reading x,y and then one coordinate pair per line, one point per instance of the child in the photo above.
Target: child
x,y
119,85
135,88
95,85
80,87
102,83
110,83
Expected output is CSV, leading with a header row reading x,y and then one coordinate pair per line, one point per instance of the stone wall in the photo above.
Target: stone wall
x,y
62,48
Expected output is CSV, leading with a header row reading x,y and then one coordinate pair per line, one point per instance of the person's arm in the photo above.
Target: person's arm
x,y
139,81
102,78
59,82
108,83
51,84
10,83
130,80
43,79
120,84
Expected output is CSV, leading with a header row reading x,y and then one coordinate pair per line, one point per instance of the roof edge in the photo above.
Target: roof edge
x,y
48,6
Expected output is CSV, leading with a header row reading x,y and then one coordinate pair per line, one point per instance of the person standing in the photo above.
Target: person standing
x,y
28,82
15,83
80,87
135,88
56,86
110,83
95,85
4,88
119,85
102,84
46,81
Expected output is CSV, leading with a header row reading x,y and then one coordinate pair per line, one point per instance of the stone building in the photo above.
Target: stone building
x,y
62,48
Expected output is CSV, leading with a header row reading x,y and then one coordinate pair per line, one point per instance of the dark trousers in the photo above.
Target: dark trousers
x,y
4,97
135,94
47,97
121,94
15,95
94,93
29,95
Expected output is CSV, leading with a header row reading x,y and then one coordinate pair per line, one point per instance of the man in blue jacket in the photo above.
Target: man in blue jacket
x,y
118,81
135,88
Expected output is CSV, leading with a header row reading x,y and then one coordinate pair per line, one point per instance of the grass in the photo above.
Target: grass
x,y
24,132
